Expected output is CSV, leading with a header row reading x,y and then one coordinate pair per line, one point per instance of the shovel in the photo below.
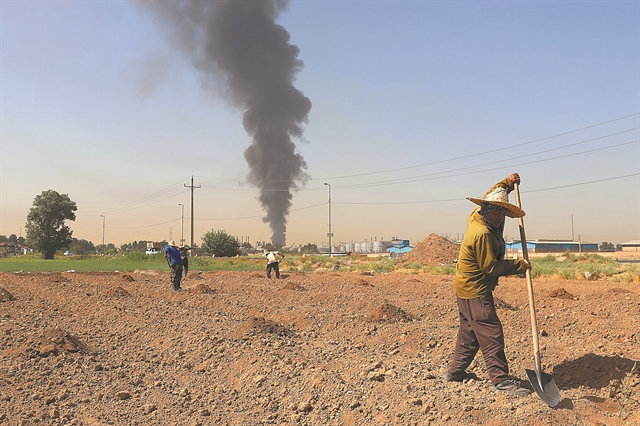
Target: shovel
x,y
542,383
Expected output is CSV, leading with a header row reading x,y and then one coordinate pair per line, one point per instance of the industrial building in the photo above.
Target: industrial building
x,y
375,246
633,245
552,246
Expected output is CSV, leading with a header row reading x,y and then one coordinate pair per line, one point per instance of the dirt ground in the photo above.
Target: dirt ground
x,y
321,348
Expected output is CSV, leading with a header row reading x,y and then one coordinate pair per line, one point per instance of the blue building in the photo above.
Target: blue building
x,y
399,247
552,246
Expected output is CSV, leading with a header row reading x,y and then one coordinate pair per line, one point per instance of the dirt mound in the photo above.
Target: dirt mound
x,y
202,288
561,293
260,325
54,342
5,296
146,272
57,277
362,282
433,250
116,292
292,286
616,290
389,314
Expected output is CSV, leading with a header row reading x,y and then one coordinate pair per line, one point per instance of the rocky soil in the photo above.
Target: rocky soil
x,y
321,348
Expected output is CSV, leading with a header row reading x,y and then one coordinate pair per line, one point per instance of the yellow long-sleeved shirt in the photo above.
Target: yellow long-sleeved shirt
x,y
479,262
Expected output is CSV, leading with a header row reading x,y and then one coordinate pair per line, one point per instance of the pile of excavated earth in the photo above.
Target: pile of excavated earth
x,y
434,251
318,348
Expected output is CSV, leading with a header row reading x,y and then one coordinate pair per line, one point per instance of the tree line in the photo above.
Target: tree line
x,y
48,234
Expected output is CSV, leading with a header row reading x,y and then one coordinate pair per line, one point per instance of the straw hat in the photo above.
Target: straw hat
x,y
499,197
172,243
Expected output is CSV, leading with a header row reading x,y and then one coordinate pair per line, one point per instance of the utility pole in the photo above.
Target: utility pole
x,y
329,234
572,238
103,219
182,234
191,187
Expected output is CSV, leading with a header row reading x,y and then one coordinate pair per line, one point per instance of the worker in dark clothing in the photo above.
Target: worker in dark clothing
x,y
174,259
184,253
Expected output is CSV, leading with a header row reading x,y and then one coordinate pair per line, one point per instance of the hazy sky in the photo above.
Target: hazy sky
x,y
416,105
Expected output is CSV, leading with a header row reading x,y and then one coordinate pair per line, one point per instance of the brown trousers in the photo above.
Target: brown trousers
x,y
480,329
176,276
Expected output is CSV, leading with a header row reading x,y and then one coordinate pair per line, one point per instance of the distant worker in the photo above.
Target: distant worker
x,y
184,254
480,263
174,259
273,262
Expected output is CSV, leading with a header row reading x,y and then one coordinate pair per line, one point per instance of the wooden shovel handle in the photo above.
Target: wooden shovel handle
x,y
532,305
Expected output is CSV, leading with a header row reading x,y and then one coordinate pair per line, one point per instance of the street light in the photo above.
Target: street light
x,y
182,235
103,219
329,234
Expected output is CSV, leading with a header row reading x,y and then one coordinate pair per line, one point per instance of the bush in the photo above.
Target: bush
x,y
548,258
220,244
567,273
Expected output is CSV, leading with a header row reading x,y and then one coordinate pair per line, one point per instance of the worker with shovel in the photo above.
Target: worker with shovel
x,y
273,262
480,263
174,259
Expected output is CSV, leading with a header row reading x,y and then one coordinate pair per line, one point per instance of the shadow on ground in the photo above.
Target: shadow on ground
x,y
593,371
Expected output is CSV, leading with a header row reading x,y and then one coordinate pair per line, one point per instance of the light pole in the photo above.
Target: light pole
x,y
329,234
572,238
103,219
182,235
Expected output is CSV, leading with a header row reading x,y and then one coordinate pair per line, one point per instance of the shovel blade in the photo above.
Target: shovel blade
x,y
549,391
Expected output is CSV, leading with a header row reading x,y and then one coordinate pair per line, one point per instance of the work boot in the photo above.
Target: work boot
x,y
456,377
512,387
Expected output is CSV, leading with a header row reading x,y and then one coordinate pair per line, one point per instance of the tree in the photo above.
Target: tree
x,y
309,248
136,246
605,246
46,231
220,244
272,247
81,247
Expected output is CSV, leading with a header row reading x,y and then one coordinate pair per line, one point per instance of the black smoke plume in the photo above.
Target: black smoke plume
x,y
240,42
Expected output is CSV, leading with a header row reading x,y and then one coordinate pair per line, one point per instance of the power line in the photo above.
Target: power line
x,y
447,174
146,226
114,210
260,216
481,153
136,207
464,156
460,199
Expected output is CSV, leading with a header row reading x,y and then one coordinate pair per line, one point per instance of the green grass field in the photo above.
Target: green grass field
x,y
128,263
569,266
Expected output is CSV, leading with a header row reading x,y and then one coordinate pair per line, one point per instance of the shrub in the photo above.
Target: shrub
x,y
548,258
567,273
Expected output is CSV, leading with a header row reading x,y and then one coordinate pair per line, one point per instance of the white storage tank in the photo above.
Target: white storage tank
x,y
348,247
368,247
377,246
